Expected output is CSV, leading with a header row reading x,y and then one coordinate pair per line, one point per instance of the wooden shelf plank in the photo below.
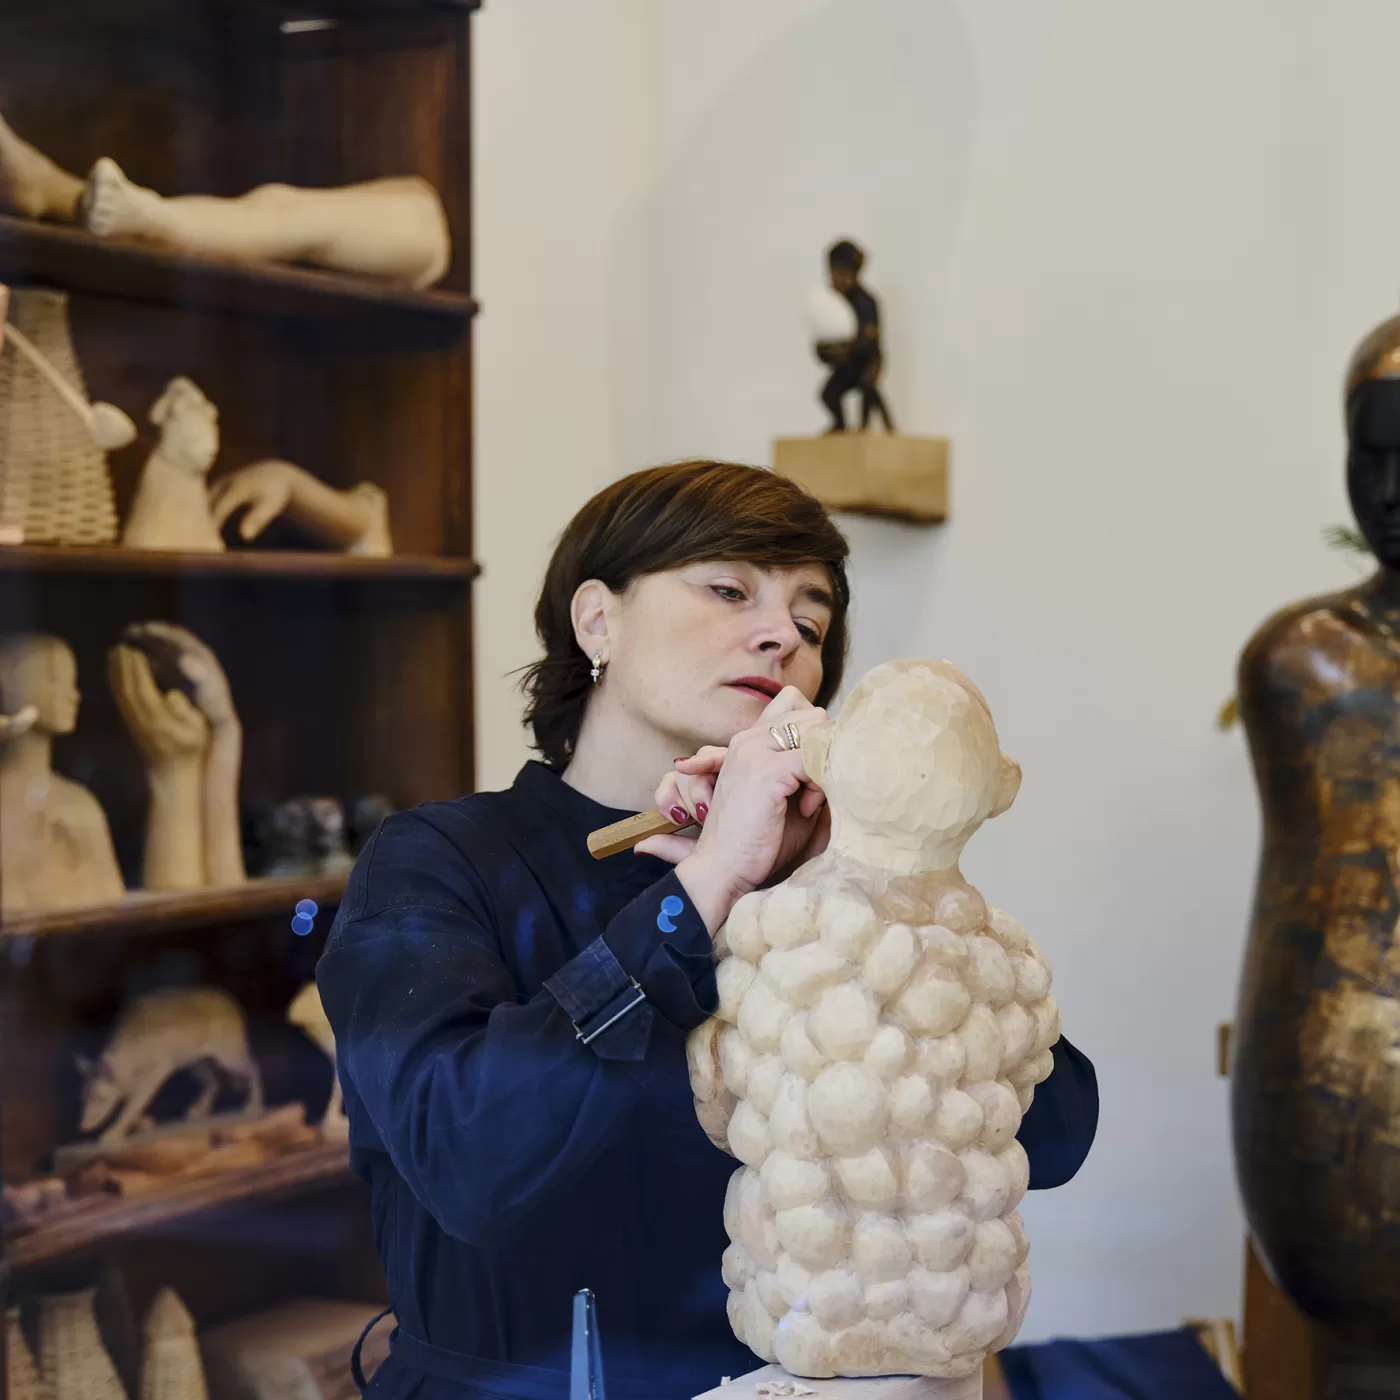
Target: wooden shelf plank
x,y
103,1224
73,260
146,911
240,563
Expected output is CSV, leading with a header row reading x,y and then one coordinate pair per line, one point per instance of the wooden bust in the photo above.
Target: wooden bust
x,y
1316,1073
880,1032
55,847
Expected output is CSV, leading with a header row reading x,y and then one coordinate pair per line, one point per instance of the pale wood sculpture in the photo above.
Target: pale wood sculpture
x,y
71,1354
54,484
356,521
879,1035
393,228
309,1016
32,185
193,747
23,1379
55,846
171,1366
300,1348
171,509
156,1036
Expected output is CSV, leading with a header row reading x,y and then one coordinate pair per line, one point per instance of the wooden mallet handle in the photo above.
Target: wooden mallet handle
x,y
623,835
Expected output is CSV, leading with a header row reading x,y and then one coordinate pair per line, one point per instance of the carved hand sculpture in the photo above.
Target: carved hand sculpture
x,y
880,1032
356,521
193,746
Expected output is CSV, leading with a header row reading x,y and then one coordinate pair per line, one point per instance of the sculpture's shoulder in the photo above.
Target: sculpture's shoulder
x,y
74,805
1302,645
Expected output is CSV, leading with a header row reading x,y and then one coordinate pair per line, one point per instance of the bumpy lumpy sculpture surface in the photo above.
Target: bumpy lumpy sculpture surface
x,y
881,1030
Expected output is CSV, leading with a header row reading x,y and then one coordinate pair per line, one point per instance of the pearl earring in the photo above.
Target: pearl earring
x,y
597,666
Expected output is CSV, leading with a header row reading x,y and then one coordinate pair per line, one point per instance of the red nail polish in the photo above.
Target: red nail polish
x,y
679,814
701,811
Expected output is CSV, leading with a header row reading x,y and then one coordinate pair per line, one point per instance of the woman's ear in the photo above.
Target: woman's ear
x,y
1010,785
816,748
589,612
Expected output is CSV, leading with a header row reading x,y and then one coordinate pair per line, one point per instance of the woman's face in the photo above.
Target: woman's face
x,y
697,653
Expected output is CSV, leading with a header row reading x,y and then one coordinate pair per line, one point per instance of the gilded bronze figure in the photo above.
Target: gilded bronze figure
x,y
1316,1074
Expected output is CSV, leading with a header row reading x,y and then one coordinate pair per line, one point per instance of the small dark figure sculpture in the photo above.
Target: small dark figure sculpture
x,y
301,836
855,359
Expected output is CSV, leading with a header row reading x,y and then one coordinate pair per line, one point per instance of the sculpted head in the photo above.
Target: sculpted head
x,y
189,425
42,673
912,760
1373,440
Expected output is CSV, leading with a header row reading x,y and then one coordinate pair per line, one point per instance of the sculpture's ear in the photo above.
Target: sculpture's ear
x,y
84,1065
816,746
1010,785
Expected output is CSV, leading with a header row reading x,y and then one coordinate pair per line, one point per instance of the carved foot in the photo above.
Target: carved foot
x,y
31,184
112,207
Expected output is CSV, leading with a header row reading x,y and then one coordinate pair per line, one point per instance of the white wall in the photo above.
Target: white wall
x,y
1123,252
561,94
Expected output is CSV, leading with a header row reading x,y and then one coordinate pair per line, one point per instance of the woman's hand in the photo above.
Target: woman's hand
x,y
758,811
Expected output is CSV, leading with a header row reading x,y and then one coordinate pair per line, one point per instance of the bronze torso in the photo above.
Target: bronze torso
x,y
1316,1074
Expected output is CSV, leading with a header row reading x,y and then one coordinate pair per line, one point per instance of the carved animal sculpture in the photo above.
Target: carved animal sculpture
x,y
309,1016
879,1035
157,1035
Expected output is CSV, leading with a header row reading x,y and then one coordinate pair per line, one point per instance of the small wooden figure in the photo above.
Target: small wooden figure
x,y
55,845
849,344
887,474
156,1036
308,1015
171,509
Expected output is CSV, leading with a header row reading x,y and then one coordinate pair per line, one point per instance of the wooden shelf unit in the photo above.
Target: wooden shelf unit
x,y
73,260
124,1218
158,912
351,676
271,564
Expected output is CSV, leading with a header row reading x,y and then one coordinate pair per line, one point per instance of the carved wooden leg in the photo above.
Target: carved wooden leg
x,y
137,1101
208,1075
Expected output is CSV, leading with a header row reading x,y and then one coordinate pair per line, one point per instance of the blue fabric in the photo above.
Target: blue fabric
x,y
510,1164
1155,1366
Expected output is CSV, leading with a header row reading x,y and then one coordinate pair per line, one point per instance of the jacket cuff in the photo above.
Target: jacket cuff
x,y
661,940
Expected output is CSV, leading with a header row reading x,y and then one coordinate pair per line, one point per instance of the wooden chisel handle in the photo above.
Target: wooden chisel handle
x,y
623,835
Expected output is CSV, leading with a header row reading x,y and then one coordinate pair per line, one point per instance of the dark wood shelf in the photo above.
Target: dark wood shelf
x,y
73,260
239,563
103,1223
145,911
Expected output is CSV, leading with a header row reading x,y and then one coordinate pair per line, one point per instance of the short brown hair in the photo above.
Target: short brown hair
x,y
665,518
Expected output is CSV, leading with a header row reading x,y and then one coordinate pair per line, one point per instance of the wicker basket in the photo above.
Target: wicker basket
x,y
71,1354
54,482
23,1380
171,1368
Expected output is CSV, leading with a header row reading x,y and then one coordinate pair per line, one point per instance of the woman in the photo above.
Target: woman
x,y
510,1015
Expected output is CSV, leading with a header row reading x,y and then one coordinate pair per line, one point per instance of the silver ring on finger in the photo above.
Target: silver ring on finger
x,y
786,736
